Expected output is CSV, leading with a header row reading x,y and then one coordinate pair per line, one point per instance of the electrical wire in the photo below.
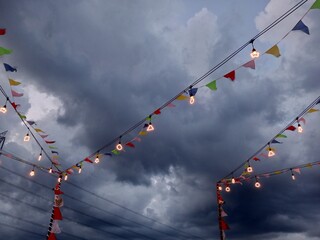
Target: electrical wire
x,y
311,105
21,229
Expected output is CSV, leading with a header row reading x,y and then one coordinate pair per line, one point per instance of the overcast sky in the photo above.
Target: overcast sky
x,y
92,69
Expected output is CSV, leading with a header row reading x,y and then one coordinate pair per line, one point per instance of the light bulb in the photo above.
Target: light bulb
x,y
257,184
300,129
254,53
80,169
50,170
97,160
32,173
271,153
3,109
293,176
66,177
249,169
219,188
40,156
228,189
119,146
150,127
59,179
192,100
233,181
26,138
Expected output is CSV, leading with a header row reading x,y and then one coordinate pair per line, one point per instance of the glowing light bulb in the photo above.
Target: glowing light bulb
x,y
32,173
50,170
254,53
80,169
40,156
249,169
219,188
228,189
66,177
59,179
300,129
257,184
3,109
293,176
233,181
26,138
192,100
271,153
150,127
97,160
119,146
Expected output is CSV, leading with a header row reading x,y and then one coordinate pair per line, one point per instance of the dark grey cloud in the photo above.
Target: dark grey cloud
x,y
108,65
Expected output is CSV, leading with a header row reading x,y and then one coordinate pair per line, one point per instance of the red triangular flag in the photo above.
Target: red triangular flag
x,y
52,236
50,142
2,31
14,105
57,214
157,112
256,159
88,160
58,191
291,128
231,75
130,144
224,225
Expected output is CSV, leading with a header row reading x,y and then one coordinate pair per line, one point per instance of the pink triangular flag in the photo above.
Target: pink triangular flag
x,y
251,64
55,227
302,120
137,139
297,170
223,213
171,105
16,94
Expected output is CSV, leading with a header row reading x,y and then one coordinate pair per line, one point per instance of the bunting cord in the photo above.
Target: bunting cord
x,y
269,142
88,204
227,59
20,229
29,130
77,211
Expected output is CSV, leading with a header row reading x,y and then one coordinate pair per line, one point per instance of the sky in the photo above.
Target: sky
x,y
92,69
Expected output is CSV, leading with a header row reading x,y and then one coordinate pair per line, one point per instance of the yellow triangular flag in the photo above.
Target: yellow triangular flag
x,y
142,133
313,110
274,51
14,82
38,130
182,97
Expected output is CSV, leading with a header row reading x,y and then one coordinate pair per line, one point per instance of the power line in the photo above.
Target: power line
x,y
21,229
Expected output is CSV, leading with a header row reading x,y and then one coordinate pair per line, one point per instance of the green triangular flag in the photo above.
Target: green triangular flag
x,y
114,151
4,51
281,136
212,85
316,5
53,147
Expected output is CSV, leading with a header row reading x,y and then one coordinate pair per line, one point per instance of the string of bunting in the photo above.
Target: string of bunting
x,y
187,94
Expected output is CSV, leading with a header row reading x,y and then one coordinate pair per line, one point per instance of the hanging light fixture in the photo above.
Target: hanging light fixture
x,y
292,175
228,189
300,129
97,160
150,127
257,184
254,53
26,138
32,173
40,156
233,180
3,109
66,177
60,179
271,153
192,93
80,169
219,188
50,169
119,146
249,168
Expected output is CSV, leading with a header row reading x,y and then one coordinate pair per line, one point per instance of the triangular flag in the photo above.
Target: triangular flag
x,y
302,120
171,105
4,51
193,91
50,142
115,152
52,236
2,31
69,171
57,213
9,68
130,144
142,133
297,170
277,172
275,141
55,227
14,82
224,225
38,130
231,75
157,112
256,159
316,5
223,213
137,139
54,152
31,122
182,97
88,160
22,116
312,110
291,128
274,51
14,105
281,136
302,27
44,136
212,85
16,94
309,165
251,64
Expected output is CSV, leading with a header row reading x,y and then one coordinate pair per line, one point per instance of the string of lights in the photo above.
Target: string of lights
x,y
190,89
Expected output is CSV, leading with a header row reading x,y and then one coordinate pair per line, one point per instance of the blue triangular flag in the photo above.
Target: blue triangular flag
x,y
9,68
193,91
275,141
302,27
